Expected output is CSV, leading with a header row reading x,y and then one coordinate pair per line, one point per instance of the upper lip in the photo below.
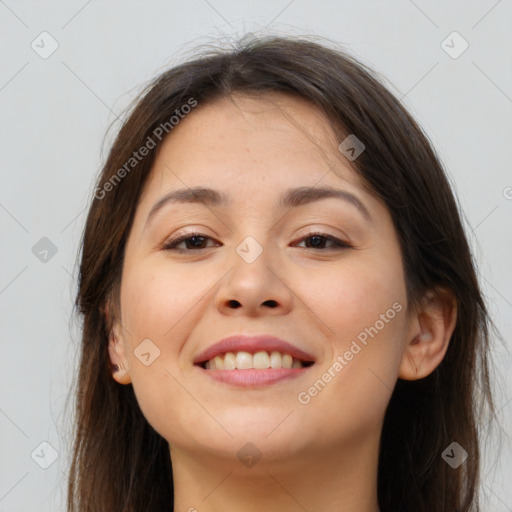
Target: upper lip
x,y
252,344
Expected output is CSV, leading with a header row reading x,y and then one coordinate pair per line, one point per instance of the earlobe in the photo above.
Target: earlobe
x,y
120,374
116,350
431,327
120,369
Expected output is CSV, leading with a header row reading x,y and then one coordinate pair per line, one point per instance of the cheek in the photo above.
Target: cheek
x,y
159,311
158,303
354,297
156,300
364,308
362,311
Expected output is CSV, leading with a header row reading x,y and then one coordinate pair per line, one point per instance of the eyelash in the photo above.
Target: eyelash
x,y
171,244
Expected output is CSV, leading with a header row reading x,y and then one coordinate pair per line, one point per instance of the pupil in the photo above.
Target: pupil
x,y
198,239
317,238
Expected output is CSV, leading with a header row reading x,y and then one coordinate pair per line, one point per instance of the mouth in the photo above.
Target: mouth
x,y
253,361
246,370
261,360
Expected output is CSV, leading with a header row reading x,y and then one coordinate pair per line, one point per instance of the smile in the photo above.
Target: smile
x,y
262,360
253,370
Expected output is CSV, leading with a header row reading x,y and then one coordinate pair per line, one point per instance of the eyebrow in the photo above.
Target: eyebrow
x,y
291,198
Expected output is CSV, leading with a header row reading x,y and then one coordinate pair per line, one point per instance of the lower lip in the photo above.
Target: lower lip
x,y
254,378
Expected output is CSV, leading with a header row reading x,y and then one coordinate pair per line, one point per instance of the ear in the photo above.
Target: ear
x,y
117,350
431,325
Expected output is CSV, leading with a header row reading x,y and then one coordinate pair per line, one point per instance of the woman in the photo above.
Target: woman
x,y
280,305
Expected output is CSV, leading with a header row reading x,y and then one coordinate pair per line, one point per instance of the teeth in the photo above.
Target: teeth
x,y
245,361
218,362
229,361
261,360
275,360
296,364
287,361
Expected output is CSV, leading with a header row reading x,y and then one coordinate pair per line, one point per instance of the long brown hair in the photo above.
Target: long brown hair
x,y
120,463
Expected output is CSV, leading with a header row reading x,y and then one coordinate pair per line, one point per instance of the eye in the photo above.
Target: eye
x,y
195,241
192,241
317,241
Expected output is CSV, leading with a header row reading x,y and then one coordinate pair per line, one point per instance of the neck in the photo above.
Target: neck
x,y
333,480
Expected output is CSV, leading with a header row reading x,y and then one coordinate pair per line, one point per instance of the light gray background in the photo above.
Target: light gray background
x,y
55,113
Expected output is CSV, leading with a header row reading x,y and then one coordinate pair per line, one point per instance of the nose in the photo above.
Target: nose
x,y
254,288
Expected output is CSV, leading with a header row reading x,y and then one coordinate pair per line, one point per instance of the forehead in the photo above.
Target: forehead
x,y
272,140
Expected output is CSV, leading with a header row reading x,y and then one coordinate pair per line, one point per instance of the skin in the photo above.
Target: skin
x,y
319,456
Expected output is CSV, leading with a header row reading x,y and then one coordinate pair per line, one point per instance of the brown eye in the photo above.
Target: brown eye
x,y
193,241
318,240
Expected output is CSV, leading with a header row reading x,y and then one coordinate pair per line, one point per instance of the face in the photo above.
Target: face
x,y
324,274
